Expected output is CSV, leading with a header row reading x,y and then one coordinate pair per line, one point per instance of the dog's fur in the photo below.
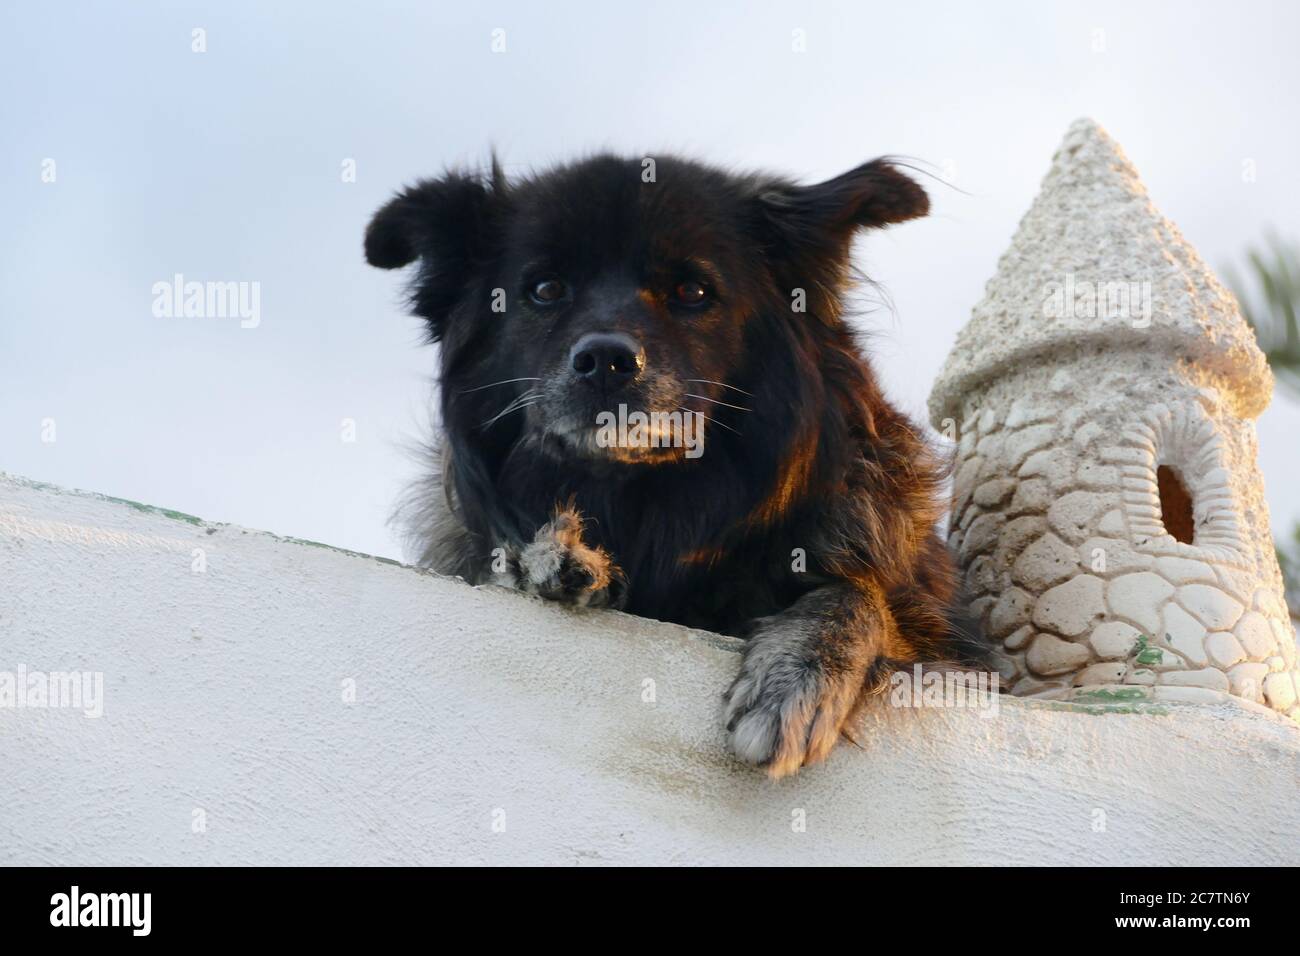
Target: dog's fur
x,y
807,526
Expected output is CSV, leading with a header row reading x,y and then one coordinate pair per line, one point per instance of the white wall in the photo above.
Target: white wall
x,y
222,692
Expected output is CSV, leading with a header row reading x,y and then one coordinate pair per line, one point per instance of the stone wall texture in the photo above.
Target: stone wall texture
x,y
1061,422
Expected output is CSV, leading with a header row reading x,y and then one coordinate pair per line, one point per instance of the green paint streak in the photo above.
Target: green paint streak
x,y
173,515
1101,702
31,483
1145,653
330,547
153,510
138,506
1141,708
1127,693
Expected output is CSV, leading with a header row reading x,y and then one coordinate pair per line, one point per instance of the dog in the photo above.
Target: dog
x,y
803,517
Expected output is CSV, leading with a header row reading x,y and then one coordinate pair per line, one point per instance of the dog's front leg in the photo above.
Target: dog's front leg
x,y
802,675
559,566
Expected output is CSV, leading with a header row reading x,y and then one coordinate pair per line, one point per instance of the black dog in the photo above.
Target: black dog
x,y
710,304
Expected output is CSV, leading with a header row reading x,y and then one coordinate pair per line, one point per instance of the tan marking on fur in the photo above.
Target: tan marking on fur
x,y
791,483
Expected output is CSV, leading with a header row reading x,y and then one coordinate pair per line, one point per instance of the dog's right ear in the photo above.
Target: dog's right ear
x,y
445,223
439,219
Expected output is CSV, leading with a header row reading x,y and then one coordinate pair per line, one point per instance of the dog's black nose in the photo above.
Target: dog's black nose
x,y
608,360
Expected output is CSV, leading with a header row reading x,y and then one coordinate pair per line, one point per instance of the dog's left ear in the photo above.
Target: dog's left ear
x,y
872,195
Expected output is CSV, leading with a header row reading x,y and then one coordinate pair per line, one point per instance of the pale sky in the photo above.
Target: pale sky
x,y
226,165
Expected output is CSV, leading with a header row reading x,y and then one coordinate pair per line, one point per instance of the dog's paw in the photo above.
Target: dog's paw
x,y
559,566
787,706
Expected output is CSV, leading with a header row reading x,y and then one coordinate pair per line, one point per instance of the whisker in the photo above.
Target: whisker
x,y
706,398
504,381
708,381
708,419
508,411
530,397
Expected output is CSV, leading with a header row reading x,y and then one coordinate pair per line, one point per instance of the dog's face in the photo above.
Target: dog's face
x,y
612,287
633,295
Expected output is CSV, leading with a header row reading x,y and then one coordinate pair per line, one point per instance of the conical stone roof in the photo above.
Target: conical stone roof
x,y
1093,229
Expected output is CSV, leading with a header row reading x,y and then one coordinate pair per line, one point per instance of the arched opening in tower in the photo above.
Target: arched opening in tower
x,y
1175,504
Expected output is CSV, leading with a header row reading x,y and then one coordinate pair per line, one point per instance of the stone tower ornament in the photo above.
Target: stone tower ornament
x,y
1107,508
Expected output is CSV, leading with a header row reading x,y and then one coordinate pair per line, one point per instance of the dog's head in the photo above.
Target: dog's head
x,y
660,286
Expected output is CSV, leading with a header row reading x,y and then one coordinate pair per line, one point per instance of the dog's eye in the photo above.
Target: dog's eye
x,y
547,291
690,293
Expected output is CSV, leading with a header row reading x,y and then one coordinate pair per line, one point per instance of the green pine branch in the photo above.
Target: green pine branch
x,y
1269,296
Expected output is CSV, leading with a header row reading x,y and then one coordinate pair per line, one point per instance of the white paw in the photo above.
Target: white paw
x,y
787,705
